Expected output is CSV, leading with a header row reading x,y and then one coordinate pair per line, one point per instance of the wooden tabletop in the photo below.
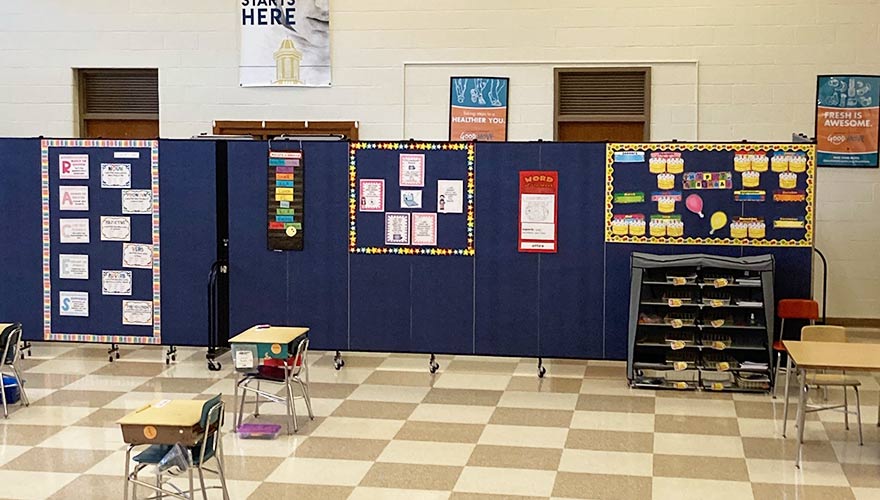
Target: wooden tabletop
x,y
269,335
167,412
834,355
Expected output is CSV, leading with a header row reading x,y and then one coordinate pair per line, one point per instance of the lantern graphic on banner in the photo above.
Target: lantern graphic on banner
x,y
287,60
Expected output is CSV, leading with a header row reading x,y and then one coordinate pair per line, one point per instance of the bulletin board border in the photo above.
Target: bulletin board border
x,y
806,241
354,147
48,334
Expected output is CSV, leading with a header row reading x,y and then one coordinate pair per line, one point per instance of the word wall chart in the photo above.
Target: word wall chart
x,y
100,213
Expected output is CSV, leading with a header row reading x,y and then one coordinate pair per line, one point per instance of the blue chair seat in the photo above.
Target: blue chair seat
x,y
154,453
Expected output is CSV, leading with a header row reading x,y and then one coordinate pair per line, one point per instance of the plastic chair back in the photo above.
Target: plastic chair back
x,y
798,309
9,340
823,333
211,421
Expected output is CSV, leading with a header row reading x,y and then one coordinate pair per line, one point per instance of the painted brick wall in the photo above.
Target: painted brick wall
x,y
719,73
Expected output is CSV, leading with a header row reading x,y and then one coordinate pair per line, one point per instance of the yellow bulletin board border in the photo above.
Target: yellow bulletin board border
x,y
354,147
806,241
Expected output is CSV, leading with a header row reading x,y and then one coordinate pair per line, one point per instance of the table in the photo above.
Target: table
x,y
165,422
279,342
825,356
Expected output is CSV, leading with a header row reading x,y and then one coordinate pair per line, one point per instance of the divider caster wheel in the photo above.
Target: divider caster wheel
x,y
434,367
541,371
338,364
214,366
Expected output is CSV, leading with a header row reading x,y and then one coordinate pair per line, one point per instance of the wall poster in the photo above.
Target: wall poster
x,y
710,194
847,121
286,200
478,109
284,43
538,211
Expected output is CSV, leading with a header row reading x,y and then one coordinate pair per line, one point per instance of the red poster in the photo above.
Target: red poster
x,y
537,211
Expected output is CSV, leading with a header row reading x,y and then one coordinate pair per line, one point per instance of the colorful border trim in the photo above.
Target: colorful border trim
x,y
410,146
48,334
611,148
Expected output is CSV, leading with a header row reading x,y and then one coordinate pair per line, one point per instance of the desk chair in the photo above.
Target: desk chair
x,y
10,339
803,309
210,447
279,371
826,333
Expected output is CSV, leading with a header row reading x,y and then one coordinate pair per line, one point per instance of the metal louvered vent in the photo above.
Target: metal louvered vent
x,y
606,93
120,91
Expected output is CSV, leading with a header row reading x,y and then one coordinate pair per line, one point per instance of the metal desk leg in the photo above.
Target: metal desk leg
x,y
802,414
785,404
127,467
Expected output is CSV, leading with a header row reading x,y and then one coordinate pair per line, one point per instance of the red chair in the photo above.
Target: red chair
x,y
803,309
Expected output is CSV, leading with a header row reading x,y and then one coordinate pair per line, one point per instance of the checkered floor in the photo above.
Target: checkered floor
x,y
388,429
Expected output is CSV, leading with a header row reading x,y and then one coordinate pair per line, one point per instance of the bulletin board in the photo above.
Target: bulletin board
x,y
100,239
710,194
412,198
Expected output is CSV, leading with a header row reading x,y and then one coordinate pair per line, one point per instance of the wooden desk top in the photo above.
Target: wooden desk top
x,y
172,413
4,326
834,355
269,335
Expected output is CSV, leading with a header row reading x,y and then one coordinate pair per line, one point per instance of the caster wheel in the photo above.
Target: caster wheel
x,y
167,361
214,366
434,367
338,364
541,372
174,357
117,355
110,358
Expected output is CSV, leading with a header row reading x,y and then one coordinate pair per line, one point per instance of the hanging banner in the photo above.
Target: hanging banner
x,y
285,200
478,109
537,211
284,43
847,121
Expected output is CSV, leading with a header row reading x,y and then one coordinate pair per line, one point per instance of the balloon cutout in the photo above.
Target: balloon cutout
x,y
695,204
718,220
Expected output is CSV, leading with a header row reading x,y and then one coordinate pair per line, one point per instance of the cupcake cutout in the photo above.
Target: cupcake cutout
x,y
787,180
665,181
658,228
637,227
742,162
675,165
619,227
666,204
656,165
751,179
738,230
757,229
797,164
675,228
760,162
779,163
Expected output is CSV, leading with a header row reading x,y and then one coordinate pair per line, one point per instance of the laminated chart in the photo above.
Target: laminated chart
x,y
710,194
100,233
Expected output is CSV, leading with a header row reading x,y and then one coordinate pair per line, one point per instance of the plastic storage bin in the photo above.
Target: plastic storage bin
x,y
10,387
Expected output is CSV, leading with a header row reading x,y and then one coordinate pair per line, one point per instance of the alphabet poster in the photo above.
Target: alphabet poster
x,y
101,241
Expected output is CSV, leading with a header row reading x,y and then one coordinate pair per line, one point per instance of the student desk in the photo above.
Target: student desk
x,y
165,422
825,356
261,342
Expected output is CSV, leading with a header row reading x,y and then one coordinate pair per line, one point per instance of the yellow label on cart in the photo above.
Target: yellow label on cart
x,y
719,345
676,323
717,323
717,386
680,385
723,366
720,283
674,302
677,345
678,280
150,432
716,303
276,348
680,366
